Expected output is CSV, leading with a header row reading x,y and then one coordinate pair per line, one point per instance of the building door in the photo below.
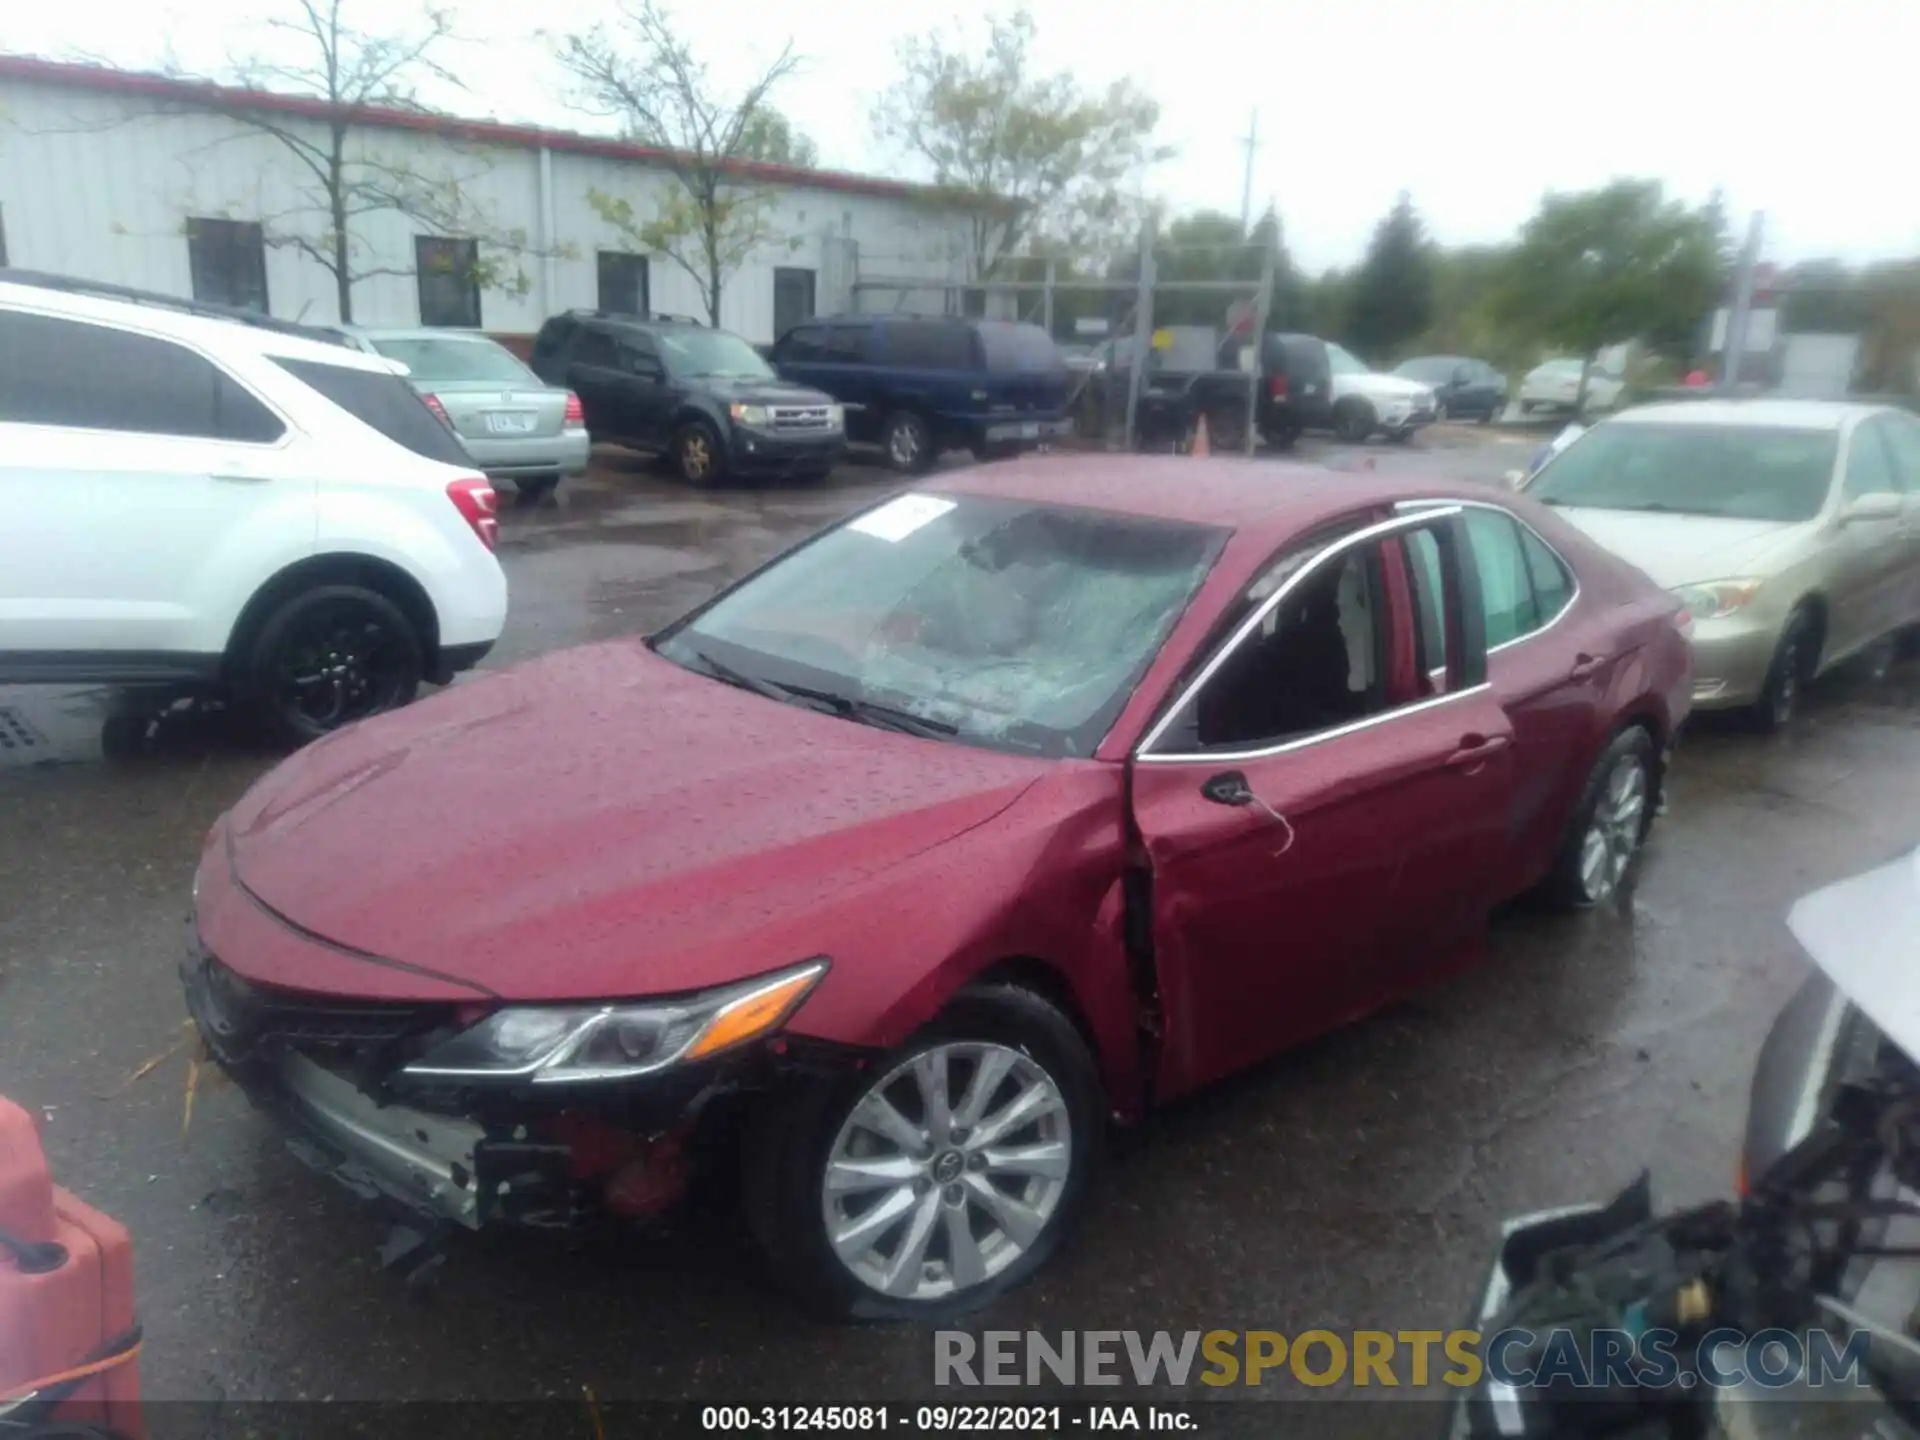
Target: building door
x,y
793,292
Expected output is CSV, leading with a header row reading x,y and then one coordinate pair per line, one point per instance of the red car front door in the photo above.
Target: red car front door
x,y
1321,827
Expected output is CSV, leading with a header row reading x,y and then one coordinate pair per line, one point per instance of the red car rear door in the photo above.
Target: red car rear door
x,y
1549,662
1311,812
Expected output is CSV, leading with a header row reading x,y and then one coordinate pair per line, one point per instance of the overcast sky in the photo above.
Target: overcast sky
x,y
1474,106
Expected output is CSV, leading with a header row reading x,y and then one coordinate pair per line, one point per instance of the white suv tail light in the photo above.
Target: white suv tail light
x,y
473,497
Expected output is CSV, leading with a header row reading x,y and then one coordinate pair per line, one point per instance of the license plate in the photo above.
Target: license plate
x,y
509,422
1030,432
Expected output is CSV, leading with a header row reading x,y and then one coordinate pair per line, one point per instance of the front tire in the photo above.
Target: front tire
x,y
1787,675
1353,422
942,1175
330,656
1609,824
697,455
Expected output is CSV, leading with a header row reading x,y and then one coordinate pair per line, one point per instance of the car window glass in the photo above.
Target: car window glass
x,y
1429,601
807,342
847,344
1869,463
382,400
1552,585
1902,434
1342,362
1021,625
930,345
552,335
1315,662
94,377
595,347
1746,472
1009,346
1506,590
453,359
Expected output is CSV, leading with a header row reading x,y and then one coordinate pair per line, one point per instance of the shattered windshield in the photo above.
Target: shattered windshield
x,y
1003,623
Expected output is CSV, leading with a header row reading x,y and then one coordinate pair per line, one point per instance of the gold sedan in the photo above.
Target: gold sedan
x,y
1790,528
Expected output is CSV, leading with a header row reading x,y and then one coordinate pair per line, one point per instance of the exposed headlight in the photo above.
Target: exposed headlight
x,y
837,417
756,415
570,1043
1716,598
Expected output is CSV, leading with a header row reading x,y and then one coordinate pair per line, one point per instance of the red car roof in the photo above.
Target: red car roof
x,y
1262,498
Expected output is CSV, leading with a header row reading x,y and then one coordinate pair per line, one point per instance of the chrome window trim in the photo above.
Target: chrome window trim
x,y
1573,596
1376,531
1301,742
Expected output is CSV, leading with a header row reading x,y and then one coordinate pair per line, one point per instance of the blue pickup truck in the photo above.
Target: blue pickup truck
x,y
920,385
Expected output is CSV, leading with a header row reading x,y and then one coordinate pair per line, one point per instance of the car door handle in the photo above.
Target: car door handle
x,y
1230,787
240,477
1476,750
1586,666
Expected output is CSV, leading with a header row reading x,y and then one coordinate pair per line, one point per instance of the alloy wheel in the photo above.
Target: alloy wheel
x,y
341,663
903,445
696,455
947,1170
1613,835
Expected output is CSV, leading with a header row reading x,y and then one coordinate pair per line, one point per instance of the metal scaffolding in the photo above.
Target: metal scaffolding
x,y
1035,301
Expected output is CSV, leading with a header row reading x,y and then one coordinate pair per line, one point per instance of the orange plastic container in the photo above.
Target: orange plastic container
x,y
63,1308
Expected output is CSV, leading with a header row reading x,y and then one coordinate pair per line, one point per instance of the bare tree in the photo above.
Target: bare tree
x,y
717,213
344,176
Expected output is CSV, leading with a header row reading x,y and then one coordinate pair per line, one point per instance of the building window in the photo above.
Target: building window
x,y
792,299
228,261
623,283
449,280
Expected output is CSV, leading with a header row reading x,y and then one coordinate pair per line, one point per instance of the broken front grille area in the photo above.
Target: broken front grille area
x,y
243,1020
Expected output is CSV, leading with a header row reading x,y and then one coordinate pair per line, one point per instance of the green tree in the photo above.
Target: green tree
x,y
1391,296
1035,159
717,213
1619,263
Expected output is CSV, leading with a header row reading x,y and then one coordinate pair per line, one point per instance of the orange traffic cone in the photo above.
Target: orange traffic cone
x,y
1201,445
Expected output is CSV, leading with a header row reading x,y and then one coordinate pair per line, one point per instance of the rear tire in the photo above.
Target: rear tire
x,y
530,492
1609,823
795,1139
908,443
331,656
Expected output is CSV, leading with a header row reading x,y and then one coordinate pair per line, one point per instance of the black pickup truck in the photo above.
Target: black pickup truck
x,y
1196,372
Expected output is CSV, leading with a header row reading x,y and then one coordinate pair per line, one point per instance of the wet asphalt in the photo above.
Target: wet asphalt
x,y
1353,1184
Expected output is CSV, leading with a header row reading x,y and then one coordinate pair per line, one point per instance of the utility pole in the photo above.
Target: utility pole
x,y
1142,331
1257,376
1739,316
1250,144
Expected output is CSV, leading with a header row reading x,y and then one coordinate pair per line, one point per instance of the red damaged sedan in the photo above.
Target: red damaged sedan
x,y
1004,808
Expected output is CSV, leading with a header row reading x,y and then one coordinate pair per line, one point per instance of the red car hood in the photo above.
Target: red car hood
x,y
598,823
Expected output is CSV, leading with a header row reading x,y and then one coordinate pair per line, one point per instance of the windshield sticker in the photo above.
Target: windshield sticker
x,y
898,519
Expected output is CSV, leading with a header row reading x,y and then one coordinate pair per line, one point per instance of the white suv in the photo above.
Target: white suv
x,y
190,494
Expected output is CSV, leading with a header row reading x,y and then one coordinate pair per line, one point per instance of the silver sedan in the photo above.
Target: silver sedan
x,y
515,425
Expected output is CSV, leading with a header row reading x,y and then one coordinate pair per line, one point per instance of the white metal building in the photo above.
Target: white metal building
x,y
148,181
